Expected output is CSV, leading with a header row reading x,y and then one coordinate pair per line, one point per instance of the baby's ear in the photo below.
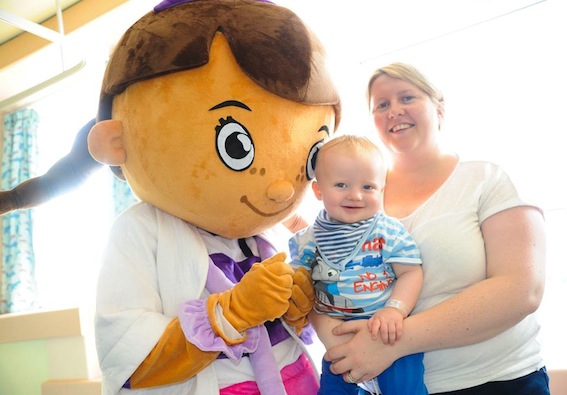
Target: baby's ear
x,y
316,190
105,143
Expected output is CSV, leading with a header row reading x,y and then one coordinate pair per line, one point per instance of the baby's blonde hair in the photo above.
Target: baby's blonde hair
x,y
358,146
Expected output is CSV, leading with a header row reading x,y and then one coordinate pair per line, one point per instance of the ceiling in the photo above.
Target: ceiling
x,y
41,11
31,34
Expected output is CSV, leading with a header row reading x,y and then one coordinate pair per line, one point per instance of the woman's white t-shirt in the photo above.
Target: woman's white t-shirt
x,y
447,230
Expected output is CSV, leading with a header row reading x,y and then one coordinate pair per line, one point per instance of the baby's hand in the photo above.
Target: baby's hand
x,y
387,322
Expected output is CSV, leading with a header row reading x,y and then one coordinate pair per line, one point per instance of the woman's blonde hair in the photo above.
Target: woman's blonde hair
x,y
409,74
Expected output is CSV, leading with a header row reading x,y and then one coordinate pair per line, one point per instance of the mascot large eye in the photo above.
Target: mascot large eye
x,y
311,159
234,144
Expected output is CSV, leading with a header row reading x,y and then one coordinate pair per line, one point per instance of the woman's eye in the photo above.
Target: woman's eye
x,y
312,159
234,144
407,98
381,107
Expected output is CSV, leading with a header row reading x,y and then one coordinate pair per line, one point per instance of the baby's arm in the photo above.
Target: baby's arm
x,y
388,321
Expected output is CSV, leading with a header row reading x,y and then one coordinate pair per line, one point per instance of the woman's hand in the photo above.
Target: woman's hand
x,y
362,357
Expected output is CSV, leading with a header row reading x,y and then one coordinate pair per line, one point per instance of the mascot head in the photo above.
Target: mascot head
x,y
213,111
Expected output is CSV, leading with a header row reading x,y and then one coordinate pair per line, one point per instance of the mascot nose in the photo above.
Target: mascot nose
x,y
280,191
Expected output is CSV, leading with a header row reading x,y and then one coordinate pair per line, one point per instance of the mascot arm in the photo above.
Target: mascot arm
x,y
66,174
172,360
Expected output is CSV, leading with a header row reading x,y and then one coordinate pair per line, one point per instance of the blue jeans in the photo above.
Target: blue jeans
x,y
536,383
404,377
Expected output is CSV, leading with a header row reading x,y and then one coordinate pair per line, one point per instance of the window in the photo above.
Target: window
x,y
70,231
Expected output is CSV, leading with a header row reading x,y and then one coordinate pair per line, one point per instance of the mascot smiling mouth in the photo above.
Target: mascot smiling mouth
x,y
244,199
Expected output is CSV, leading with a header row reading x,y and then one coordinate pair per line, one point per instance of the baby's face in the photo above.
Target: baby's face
x,y
350,186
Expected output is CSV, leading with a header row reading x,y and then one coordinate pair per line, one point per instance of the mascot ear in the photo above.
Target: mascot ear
x,y
105,143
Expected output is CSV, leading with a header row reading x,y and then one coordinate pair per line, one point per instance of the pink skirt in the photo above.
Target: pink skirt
x,y
299,378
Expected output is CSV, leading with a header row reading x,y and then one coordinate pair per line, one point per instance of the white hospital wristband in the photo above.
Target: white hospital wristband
x,y
397,304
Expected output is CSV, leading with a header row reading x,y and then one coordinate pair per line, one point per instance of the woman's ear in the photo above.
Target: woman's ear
x,y
441,113
316,190
105,143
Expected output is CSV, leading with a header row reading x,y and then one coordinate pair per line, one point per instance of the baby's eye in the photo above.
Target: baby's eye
x,y
368,187
234,144
341,185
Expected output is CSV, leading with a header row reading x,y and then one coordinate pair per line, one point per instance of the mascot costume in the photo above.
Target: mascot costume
x,y
213,112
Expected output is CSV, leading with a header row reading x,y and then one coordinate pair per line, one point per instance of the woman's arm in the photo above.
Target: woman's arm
x,y
295,223
515,253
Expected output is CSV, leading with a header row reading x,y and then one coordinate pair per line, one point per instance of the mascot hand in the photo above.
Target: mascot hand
x,y
262,295
301,301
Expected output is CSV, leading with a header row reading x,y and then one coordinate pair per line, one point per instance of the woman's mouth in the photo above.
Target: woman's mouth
x,y
402,126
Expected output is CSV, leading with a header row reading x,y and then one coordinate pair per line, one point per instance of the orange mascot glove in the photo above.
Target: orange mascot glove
x,y
261,295
301,301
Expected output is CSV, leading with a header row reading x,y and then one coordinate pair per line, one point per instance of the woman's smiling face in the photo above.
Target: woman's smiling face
x,y
405,116
230,157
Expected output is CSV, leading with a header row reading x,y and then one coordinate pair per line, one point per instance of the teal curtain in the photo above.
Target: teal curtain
x,y
19,161
122,195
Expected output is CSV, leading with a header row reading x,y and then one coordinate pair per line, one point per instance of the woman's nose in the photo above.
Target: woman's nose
x,y
280,191
395,111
